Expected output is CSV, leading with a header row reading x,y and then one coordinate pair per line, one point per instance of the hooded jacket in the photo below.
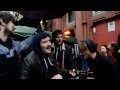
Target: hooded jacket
x,y
36,66
69,62
9,66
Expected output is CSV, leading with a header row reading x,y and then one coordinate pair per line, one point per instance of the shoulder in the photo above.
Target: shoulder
x,y
16,43
68,46
31,54
110,56
31,57
116,46
106,59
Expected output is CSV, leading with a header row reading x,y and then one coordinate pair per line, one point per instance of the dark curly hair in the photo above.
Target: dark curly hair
x,y
55,33
6,17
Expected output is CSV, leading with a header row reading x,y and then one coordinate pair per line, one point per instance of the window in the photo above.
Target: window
x,y
70,17
97,12
111,26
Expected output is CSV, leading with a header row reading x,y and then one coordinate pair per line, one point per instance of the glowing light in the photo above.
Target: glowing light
x,y
41,21
67,33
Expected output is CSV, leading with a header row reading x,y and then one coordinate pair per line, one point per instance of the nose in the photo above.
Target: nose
x,y
49,43
61,39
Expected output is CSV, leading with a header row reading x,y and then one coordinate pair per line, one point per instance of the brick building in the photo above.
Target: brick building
x,y
79,21
101,26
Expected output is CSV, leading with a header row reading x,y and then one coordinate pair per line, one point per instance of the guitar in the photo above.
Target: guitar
x,y
83,72
80,72
87,74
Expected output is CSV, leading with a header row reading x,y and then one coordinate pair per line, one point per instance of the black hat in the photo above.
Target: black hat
x,y
92,46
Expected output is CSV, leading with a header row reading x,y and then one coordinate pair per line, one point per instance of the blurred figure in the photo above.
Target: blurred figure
x,y
105,50
62,52
9,49
116,52
103,67
81,64
39,63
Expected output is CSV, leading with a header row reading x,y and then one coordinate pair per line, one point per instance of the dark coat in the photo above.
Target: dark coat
x,y
34,68
9,68
81,63
9,50
115,52
69,62
117,55
103,68
37,65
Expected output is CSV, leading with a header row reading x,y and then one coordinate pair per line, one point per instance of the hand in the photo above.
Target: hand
x,y
57,76
72,73
119,51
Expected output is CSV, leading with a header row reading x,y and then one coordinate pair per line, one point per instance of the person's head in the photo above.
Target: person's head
x,y
42,44
7,25
57,36
87,48
104,49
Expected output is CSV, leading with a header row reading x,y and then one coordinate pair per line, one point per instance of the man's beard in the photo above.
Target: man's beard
x,y
58,44
8,33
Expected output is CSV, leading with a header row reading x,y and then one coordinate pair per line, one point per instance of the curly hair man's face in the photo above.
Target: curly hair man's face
x,y
45,45
59,39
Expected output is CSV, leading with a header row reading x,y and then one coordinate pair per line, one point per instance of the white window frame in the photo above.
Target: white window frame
x,y
111,26
69,23
97,13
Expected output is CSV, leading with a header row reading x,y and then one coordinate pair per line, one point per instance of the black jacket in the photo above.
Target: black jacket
x,y
38,66
81,63
69,62
103,68
115,52
9,68
34,68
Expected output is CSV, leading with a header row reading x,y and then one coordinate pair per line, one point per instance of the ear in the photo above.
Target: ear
x,y
2,23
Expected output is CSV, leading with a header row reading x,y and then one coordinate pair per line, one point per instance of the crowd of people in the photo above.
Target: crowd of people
x,y
52,58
